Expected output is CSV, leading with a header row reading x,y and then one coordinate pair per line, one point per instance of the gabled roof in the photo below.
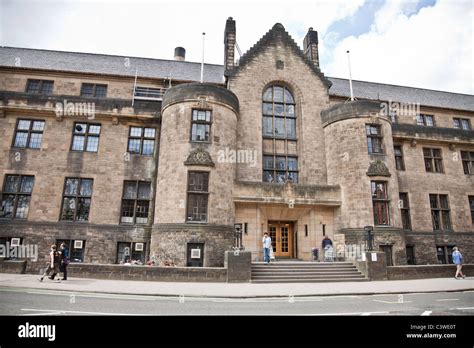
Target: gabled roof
x,y
187,71
401,94
277,32
108,64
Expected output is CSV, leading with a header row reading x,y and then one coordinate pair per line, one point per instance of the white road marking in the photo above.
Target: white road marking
x,y
426,313
464,308
448,299
354,313
392,301
49,312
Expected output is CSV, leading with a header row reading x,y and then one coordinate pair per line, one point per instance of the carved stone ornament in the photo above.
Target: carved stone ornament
x,y
199,157
378,168
202,103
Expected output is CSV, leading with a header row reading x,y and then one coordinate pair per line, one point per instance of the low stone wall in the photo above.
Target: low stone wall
x,y
17,267
426,271
172,274
239,266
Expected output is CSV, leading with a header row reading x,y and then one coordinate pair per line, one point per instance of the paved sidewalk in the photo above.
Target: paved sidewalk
x,y
237,290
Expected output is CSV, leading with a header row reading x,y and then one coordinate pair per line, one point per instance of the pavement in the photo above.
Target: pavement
x,y
237,290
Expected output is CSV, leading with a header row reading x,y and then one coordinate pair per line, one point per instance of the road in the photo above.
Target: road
x,y
16,301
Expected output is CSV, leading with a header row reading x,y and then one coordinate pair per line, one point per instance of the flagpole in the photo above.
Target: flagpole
x,y
134,86
350,75
202,61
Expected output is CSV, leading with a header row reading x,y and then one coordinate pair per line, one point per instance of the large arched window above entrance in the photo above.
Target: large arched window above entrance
x,y
280,161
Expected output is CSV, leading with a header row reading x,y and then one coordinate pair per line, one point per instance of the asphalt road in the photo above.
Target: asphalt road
x,y
50,302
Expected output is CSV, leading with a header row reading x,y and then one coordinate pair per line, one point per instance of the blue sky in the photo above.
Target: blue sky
x,y
422,43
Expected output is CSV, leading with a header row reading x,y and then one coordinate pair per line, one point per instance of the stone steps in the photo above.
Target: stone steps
x,y
305,272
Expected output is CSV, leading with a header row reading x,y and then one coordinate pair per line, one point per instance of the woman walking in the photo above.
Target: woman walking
x,y
54,264
457,260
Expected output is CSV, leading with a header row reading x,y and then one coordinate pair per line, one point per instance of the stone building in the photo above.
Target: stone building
x,y
133,158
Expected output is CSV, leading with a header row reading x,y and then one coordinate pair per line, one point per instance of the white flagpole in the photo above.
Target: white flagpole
x,y
202,61
134,86
350,75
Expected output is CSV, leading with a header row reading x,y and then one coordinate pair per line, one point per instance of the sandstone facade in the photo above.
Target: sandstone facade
x,y
332,195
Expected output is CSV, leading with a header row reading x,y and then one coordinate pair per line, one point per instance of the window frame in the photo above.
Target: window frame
x,y
385,201
200,193
378,137
467,160
136,201
142,138
424,118
405,211
460,120
70,247
76,197
434,160
201,122
41,86
399,158
94,90
274,170
470,200
287,115
29,132
441,213
86,136
130,245
16,195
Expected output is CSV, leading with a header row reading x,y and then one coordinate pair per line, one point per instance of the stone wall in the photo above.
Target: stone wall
x,y
169,242
70,83
54,161
425,245
164,274
100,240
382,236
239,266
429,271
16,267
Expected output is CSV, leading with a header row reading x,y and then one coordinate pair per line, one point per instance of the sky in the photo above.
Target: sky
x,y
419,43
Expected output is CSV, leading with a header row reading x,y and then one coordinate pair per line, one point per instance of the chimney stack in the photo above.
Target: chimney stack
x,y
179,54
310,45
229,45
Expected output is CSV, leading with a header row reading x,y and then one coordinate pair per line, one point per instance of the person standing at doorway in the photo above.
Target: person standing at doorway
x,y
457,260
267,244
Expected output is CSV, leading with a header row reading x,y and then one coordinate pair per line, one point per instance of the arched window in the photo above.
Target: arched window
x,y
280,161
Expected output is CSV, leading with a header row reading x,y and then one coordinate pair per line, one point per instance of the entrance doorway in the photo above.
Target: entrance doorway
x,y
281,234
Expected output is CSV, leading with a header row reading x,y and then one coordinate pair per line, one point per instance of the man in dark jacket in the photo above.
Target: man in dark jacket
x,y
326,241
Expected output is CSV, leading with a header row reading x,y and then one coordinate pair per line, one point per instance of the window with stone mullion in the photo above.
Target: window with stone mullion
x,y
380,203
440,212
76,199
279,124
197,197
136,198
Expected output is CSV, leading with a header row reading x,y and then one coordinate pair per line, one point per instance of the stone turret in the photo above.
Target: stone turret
x,y
194,204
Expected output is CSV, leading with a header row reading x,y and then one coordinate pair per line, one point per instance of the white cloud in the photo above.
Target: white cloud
x,y
155,28
431,49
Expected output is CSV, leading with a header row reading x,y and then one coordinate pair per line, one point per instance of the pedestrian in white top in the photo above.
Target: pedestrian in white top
x,y
267,244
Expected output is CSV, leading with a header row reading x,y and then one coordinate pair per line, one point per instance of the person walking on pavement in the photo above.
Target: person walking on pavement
x,y
54,262
64,260
63,250
457,260
267,244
